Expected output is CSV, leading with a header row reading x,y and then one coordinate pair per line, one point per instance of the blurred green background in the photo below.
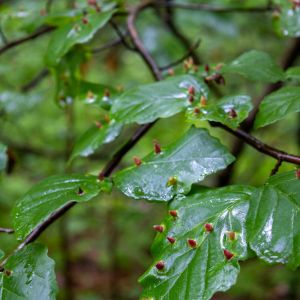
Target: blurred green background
x,y
102,247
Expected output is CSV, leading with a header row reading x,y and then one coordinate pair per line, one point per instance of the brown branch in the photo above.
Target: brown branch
x,y
6,230
39,32
168,18
137,41
121,36
259,145
216,9
276,167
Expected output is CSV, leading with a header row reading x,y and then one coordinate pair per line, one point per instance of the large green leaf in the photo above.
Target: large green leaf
x,y
255,65
230,110
51,194
274,220
146,103
3,157
278,105
161,176
198,272
92,139
64,38
28,274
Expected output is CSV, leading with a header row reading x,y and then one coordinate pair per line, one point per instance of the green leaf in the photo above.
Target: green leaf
x,y
64,38
3,157
255,65
28,274
289,21
277,106
51,194
92,139
293,73
161,176
274,220
146,103
198,273
222,111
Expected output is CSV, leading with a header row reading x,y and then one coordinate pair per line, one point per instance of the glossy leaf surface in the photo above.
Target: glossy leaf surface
x,y
93,138
146,103
29,274
198,272
278,105
293,73
51,194
255,65
66,37
274,220
231,111
161,176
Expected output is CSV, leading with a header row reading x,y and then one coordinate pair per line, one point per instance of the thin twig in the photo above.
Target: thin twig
x,y
121,36
35,81
6,230
137,41
109,45
276,167
259,145
180,60
39,32
216,9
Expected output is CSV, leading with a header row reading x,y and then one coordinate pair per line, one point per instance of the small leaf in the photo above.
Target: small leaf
x,y
293,73
51,194
64,38
274,220
221,111
28,274
92,139
255,65
199,272
3,157
278,105
161,176
163,99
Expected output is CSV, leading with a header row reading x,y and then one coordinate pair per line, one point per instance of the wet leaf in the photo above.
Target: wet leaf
x,y
188,160
64,38
51,194
230,110
146,103
92,139
255,65
277,106
29,274
274,220
199,272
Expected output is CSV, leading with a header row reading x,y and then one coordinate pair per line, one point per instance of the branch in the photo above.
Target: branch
x,y
259,145
6,230
180,60
109,45
121,36
137,41
216,9
35,81
39,32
